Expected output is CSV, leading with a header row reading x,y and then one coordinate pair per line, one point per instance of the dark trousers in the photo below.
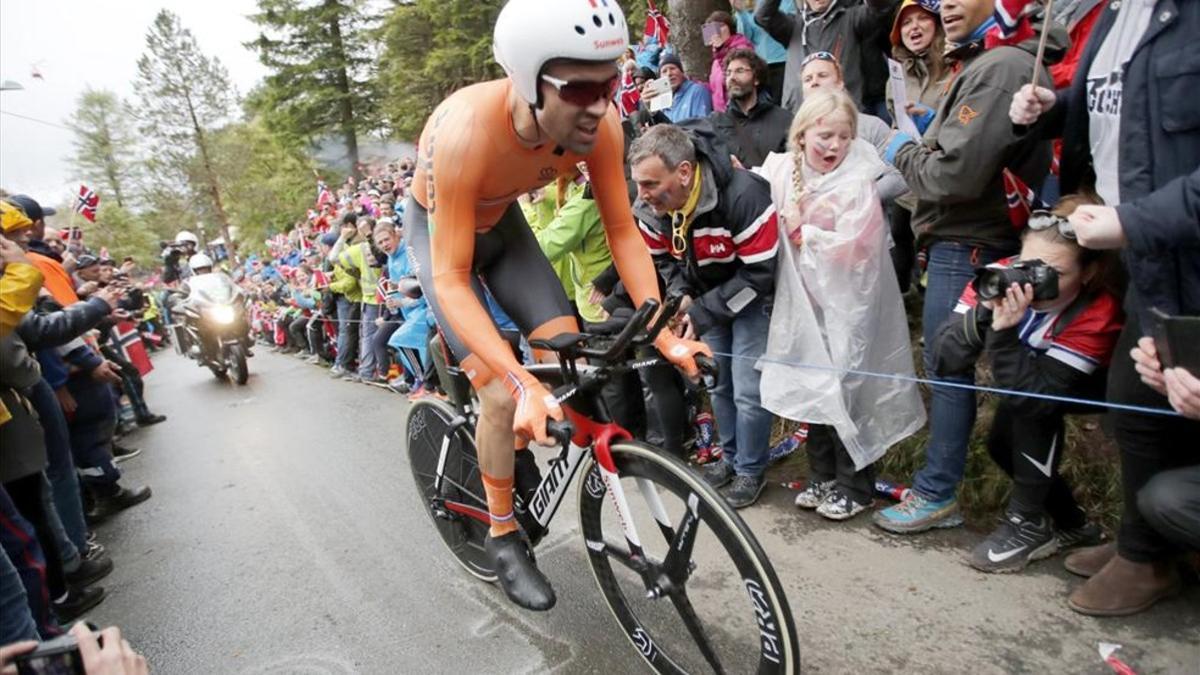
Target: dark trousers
x,y
828,460
379,341
904,252
91,429
297,327
1149,444
1029,449
1170,502
775,75
60,464
131,381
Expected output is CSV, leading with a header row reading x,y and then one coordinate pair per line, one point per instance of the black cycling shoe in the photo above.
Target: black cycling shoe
x,y
517,572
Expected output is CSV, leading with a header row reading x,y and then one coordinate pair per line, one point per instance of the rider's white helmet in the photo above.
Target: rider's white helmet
x,y
531,32
200,261
185,236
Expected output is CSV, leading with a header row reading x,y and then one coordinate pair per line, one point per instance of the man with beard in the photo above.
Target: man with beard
x,y
751,127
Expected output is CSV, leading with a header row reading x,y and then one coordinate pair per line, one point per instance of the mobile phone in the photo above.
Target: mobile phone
x,y
59,656
1177,339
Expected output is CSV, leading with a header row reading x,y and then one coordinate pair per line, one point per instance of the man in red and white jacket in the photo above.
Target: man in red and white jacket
x,y
713,235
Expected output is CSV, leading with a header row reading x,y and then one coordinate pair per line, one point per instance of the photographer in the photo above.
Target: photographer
x,y
175,256
1049,320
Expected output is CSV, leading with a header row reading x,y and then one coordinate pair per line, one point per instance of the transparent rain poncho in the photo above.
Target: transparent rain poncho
x,y
838,309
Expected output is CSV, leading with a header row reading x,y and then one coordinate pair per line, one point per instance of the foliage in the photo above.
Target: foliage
x,y
322,58
267,184
104,144
183,97
123,233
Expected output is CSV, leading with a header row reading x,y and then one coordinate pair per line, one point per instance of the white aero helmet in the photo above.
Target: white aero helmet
x,y
184,235
200,261
530,33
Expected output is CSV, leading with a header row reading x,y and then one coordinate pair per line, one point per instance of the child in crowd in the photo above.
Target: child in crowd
x,y
1053,338
837,308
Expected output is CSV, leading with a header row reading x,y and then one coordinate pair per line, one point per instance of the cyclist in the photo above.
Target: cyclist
x,y
483,147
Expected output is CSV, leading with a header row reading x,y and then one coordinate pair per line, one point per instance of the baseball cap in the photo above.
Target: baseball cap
x,y
85,261
29,205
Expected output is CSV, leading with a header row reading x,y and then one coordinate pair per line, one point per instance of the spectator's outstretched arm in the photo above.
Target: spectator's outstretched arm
x,y
40,330
777,23
972,145
960,341
1166,218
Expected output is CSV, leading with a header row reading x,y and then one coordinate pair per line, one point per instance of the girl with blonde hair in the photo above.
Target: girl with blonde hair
x,y
838,312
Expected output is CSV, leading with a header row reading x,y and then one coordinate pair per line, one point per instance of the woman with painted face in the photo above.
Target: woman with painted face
x,y
1049,320
837,308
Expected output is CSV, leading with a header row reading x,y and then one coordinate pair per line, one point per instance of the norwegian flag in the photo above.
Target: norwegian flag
x,y
628,97
279,241
1012,24
129,340
324,196
1021,199
383,289
87,202
320,279
657,26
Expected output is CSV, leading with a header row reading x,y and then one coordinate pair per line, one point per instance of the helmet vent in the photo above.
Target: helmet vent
x,y
579,29
612,21
596,20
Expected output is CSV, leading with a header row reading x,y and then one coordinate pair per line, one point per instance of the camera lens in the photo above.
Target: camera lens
x,y
991,284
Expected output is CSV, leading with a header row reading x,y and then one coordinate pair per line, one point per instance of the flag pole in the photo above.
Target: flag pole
x,y
1041,50
71,222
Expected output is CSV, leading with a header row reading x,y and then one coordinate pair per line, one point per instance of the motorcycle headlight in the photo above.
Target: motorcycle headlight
x,y
222,314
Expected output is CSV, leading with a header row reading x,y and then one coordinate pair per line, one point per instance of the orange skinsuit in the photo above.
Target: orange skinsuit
x,y
472,167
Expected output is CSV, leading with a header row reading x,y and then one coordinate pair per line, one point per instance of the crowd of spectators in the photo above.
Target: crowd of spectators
x,y
785,205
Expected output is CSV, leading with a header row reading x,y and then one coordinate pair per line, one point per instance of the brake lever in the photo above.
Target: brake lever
x,y
669,309
561,431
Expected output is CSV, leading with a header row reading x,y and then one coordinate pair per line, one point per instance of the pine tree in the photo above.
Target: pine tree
x,y
105,146
184,96
322,57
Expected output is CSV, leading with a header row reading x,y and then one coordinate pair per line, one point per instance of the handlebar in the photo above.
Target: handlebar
x,y
562,432
624,339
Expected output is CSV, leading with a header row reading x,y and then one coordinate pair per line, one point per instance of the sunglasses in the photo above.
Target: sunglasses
x,y
584,93
818,56
1044,220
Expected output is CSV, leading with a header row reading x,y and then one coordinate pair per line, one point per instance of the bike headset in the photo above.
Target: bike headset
x,y
531,33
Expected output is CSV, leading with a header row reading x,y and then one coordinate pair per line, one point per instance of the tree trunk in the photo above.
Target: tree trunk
x,y
214,187
687,19
343,87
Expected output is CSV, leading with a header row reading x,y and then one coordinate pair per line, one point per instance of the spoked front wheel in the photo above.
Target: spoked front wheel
x,y
456,503
693,590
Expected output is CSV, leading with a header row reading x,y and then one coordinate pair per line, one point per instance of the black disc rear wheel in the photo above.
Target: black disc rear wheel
x,y
696,592
430,432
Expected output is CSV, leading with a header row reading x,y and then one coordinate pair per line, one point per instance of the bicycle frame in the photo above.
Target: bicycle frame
x,y
593,437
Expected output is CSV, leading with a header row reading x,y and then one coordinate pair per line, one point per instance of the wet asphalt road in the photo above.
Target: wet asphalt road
x,y
285,536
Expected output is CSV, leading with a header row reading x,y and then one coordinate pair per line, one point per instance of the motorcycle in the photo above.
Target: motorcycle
x,y
214,329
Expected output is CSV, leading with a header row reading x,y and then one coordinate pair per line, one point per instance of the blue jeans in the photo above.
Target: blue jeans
x,y
743,425
347,340
16,621
366,336
60,466
952,410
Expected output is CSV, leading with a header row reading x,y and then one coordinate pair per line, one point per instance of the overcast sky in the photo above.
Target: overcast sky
x,y
78,44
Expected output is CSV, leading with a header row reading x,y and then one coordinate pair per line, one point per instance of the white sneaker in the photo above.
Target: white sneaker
x,y
815,493
840,506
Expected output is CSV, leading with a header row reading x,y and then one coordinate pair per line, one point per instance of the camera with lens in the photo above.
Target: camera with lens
x,y
993,281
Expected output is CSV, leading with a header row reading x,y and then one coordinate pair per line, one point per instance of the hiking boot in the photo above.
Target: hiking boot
x,y
717,474
123,498
89,572
917,514
743,491
121,453
815,493
517,572
1123,587
1088,534
1086,562
839,505
76,601
150,419
1016,543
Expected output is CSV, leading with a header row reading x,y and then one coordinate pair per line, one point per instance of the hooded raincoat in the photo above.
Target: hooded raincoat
x,y
838,311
